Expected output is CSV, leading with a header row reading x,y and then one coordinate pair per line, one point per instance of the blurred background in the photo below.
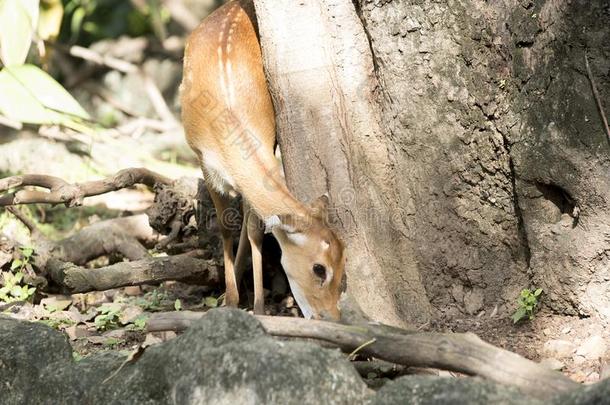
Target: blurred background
x,y
88,87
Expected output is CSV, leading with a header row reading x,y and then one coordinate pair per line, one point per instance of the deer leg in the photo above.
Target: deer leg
x,y
242,248
221,203
255,236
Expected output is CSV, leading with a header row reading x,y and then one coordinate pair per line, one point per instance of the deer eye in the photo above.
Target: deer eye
x,y
320,271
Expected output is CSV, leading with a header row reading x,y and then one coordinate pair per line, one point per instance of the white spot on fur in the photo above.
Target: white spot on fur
x,y
229,67
216,174
297,238
325,245
271,222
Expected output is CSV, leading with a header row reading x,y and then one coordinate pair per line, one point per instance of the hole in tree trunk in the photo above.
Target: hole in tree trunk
x,y
561,200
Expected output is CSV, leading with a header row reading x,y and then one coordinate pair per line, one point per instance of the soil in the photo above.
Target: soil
x,y
528,338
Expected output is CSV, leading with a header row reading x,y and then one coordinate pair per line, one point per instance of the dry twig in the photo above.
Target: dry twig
x,y
597,98
72,194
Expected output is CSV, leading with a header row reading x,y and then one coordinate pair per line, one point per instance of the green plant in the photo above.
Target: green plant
x,y
152,301
23,263
57,323
108,317
527,302
13,289
13,286
140,322
27,93
210,302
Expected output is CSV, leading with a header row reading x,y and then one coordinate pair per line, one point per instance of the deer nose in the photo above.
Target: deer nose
x,y
328,316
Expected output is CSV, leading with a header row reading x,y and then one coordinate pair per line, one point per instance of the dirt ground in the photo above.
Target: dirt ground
x,y
575,346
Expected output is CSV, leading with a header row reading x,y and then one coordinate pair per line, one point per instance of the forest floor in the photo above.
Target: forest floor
x,y
116,319
575,346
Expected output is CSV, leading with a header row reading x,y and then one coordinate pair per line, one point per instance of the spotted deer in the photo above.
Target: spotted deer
x,y
230,125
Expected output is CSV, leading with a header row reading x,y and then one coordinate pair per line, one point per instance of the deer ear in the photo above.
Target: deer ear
x,y
320,206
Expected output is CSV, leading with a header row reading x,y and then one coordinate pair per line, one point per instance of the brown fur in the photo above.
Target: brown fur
x,y
229,123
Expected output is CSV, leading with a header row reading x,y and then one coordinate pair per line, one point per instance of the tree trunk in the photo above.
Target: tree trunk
x,y
323,86
460,143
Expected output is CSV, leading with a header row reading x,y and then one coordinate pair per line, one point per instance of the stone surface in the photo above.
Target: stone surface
x,y
448,391
559,348
598,394
593,348
552,364
225,358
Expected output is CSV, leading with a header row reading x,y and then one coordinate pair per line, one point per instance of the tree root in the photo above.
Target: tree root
x,y
187,268
462,352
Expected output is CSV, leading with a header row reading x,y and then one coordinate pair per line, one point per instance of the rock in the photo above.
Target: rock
x,y
593,348
598,394
448,391
552,364
559,348
26,352
473,301
224,358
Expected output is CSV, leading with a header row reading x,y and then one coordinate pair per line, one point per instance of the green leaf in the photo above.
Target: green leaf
x,y
210,302
140,321
18,277
18,19
16,264
518,315
49,23
538,292
16,291
27,251
19,104
177,305
46,90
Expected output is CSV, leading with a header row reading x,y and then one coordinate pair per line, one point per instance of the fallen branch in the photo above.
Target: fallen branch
x,y
72,195
118,235
75,279
597,98
462,352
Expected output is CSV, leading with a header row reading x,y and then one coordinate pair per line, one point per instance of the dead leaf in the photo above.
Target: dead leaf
x,y
151,340
131,358
129,314
56,303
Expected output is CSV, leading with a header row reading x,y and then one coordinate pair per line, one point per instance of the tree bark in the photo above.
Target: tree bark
x,y
320,72
461,144
75,279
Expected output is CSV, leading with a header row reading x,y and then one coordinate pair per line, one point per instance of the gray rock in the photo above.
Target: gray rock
x,y
598,394
552,364
225,358
448,391
558,348
593,348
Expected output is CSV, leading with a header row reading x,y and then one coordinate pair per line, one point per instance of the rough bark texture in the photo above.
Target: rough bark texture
x,y
482,151
321,77
494,120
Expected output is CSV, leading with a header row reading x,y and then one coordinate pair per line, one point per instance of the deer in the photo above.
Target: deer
x,y
229,122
